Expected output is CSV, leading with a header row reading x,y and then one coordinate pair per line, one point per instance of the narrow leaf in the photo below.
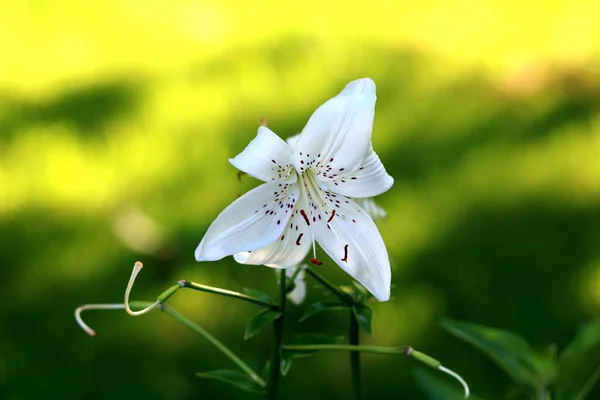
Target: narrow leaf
x,y
286,361
510,351
363,315
322,306
235,378
579,364
260,321
257,294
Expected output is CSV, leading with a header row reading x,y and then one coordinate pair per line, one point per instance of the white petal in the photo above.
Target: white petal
x,y
297,295
267,157
370,179
291,246
292,141
373,209
352,240
338,134
251,222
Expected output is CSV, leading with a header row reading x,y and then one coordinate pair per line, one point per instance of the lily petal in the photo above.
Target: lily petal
x,y
267,157
338,134
370,179
292,141
290,248
372,208
351,239
251,222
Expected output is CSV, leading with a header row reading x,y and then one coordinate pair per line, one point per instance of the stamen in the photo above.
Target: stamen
x,y
345,259
316,262
263,121
332,215
137,267
85,326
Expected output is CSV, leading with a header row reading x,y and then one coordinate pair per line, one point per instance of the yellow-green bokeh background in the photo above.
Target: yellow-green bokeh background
x,y
116,123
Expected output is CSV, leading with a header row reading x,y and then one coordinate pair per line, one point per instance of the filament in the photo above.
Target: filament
x,y
85,326
137,267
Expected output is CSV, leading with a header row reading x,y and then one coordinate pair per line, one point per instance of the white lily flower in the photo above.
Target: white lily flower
x,y
307,193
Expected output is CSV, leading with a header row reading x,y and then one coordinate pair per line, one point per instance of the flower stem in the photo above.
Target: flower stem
x,y
349,347
141,305
225,292
355,357
401,350
277,342
215,342
345,297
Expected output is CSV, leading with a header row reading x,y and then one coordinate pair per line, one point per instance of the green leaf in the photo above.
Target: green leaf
x,y
266,370
363,315
579,364
257,294
234,378
322,306
286,361
440,388
510,351
260,321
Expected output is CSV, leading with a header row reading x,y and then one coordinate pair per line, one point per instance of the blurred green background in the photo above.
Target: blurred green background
x,y
116,123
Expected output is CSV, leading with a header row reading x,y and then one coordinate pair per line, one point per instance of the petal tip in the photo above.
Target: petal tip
x,y
360,86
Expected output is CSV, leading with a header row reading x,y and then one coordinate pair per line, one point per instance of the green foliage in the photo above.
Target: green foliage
x,y
364,316
579,364
260,321
320,306
571,377
235,378
510,351
438,388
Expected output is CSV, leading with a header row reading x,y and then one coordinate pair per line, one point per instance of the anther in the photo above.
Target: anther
x,y
331,217
316,262
345,259
303,213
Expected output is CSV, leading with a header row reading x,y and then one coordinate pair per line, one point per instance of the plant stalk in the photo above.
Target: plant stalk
x,y
345,297
355,357
275,369
225,292
215,342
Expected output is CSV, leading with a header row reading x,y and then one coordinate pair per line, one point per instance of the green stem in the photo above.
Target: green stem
x,y
225,292
277,342
345,297
348,347
355,356
214,341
